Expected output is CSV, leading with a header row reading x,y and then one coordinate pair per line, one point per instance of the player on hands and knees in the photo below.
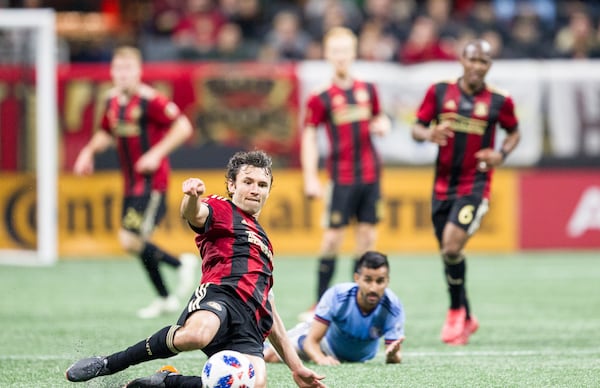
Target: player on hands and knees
x,y
350,319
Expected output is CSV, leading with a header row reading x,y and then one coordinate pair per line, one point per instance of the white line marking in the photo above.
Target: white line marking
x,y
460,353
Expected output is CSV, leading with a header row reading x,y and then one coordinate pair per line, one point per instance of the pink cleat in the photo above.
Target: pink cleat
x,y
454,326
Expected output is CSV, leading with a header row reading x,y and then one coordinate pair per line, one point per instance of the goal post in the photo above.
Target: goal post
x,y
42,22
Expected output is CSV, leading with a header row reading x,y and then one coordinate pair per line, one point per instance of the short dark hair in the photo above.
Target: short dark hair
x,y
256,158
372,260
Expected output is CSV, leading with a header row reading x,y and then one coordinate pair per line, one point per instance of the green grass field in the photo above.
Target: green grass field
x,y
539,316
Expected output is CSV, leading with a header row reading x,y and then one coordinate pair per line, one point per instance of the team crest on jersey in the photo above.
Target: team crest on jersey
x,y
361,95
450,105
480,109
215,305
338,100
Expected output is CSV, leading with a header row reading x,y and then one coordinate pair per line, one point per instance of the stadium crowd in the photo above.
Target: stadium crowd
x,y
402,31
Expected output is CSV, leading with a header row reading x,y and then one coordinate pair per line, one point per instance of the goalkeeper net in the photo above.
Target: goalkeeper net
x,y
28,137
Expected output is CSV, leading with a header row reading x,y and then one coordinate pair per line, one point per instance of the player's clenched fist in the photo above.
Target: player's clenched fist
x,y
193,187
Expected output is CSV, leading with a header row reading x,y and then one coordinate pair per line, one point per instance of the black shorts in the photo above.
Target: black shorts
x,y
360,202
465,212
141,214
239,329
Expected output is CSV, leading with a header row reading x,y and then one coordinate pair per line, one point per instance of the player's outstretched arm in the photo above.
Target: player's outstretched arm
x,y
393,353
312,344
303,376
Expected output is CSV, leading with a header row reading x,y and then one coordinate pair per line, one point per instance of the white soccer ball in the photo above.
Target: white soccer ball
x,y
228,369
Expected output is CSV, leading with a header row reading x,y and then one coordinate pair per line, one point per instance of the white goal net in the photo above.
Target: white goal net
x,y
28,137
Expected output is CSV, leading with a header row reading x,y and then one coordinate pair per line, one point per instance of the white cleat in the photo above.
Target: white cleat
x,y
188,280
160,306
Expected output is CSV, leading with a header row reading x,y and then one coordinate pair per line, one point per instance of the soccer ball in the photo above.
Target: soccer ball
x,y
228,369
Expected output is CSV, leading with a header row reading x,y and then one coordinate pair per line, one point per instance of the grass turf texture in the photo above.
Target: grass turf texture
x,y
539,315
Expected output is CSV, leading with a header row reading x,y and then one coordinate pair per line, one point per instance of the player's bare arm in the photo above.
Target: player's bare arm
x,y
179,132
309,158
312,345
84,164
488,158
303,376
437,134
393,354
192,209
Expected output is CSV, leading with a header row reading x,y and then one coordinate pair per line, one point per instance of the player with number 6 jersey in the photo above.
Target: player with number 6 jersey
x,y
461,116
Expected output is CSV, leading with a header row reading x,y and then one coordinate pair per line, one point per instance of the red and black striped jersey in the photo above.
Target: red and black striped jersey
x,y
347,115
473,119
137,125
237,254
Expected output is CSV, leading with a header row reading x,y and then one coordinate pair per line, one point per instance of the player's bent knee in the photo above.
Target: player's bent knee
x,y
198,330
186,339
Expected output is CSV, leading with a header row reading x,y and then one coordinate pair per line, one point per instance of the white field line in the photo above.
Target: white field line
x,y
407,354
503,353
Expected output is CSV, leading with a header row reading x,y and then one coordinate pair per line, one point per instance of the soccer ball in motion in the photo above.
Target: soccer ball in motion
x,y
228,369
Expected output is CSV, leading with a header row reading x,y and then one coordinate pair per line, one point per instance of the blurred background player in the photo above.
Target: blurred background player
x,y
349,108
350,318
146,127
233,307
466,112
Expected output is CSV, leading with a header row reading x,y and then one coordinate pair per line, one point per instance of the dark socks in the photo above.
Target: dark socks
x,y
151,255
158,345
326,270
455,270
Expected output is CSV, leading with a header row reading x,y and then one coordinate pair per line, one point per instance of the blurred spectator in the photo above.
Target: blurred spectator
x,y
507,10
322,15
440,11
482,18
231,46
526,39
196,33
424,44
339,15
292,29
578,39
250,16
165,16
393,17
374,44
314,50
286,40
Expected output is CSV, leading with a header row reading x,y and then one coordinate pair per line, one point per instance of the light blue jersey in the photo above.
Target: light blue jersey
x,y
353,336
